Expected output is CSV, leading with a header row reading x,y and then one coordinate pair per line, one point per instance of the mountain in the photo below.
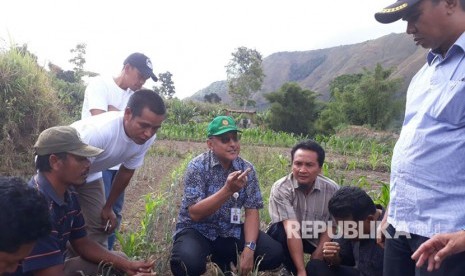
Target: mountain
x,y
315,69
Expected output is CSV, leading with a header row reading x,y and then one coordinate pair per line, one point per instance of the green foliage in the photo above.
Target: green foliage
x,y
167,89
293,109
180,112
382,197
362,99
29,105
78,60
138,244
250,136
245,75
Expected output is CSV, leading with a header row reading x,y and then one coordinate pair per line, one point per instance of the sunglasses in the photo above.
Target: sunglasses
x,y
227,138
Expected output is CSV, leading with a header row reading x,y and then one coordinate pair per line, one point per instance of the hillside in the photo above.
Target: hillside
x,y
315,69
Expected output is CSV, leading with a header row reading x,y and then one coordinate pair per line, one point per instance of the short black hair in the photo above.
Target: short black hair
x,y
312,146
24,216
351,201
43,161
146,98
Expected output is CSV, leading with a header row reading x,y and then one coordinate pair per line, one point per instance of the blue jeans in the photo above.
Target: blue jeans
x,y
108,177
398,262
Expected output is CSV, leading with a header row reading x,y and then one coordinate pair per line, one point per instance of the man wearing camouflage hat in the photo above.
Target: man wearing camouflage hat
x,y
63,163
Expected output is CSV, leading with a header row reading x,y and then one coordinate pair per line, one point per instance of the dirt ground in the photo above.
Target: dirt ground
x,y
164,158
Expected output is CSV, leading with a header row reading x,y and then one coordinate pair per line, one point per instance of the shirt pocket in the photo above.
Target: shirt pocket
x,y
449,105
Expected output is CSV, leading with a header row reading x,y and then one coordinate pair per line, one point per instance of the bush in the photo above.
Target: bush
x,y
29,105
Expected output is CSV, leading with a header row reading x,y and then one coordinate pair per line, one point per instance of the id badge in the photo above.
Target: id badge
x,y
236,215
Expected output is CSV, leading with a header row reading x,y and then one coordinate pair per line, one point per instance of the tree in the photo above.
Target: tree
x,y
212,98
244,75
293,109
167,89
79,60
363,99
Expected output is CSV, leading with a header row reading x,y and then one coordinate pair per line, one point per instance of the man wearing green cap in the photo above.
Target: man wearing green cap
x,y
220,186
62,163
427,169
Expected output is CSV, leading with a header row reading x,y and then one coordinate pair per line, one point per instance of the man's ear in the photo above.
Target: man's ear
x,y
209,143
55,162
127,113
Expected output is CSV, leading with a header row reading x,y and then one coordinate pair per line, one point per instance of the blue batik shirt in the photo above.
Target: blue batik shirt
x,y
204,177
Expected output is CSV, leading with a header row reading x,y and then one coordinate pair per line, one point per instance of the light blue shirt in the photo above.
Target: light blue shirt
x,y
428,163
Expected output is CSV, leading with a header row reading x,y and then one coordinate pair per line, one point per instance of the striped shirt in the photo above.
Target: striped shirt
x,y
288,202
68,224
428,162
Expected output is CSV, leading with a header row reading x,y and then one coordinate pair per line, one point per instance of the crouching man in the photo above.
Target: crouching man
x,y
62,163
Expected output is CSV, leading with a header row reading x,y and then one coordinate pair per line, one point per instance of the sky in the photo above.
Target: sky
x,y
191,39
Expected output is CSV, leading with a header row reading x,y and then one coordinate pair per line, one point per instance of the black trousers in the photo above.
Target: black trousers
x,y
277,232
398,262
321,268
191,249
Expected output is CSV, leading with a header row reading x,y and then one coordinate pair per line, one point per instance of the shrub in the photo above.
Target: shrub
x,y
29,105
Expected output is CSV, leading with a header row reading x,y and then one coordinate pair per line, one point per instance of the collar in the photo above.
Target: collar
x,y
456,48
215,162
46,188
316,186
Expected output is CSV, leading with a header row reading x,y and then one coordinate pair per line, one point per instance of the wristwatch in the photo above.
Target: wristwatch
x,y
251,245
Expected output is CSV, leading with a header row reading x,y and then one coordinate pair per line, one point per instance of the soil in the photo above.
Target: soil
x,y
158,166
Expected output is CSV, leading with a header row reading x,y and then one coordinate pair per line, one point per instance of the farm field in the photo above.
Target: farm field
x,y
154,195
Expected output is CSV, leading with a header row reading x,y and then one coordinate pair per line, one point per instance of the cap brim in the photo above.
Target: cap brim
x,y
223,131
86,151
393,12
154,78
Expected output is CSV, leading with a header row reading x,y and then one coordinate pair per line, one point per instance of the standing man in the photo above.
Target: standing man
x,y
297,199
427,172
218,187
23,220
125,136
62,164
112,94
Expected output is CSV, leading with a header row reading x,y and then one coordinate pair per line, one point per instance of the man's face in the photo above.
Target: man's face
x,y
142,128
134,78
226,147
427,22
9,261
305,167
73,169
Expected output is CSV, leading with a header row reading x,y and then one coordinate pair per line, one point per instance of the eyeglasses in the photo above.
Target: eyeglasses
x,y
227,138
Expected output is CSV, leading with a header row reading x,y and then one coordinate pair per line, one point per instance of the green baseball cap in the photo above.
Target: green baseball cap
x,y
220,125
63,139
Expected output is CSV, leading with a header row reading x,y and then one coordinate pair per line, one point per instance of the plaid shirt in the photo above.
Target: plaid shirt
x,y
204,177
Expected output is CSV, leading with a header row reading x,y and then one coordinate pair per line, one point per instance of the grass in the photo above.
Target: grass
x,y
346,164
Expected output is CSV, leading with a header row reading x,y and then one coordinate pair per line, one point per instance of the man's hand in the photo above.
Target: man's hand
x,y
380,230
237,180
140,268
331,252
108,220
246,261
439,247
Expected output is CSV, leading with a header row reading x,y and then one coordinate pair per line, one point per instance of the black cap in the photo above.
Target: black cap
x,y
142,63
395,11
